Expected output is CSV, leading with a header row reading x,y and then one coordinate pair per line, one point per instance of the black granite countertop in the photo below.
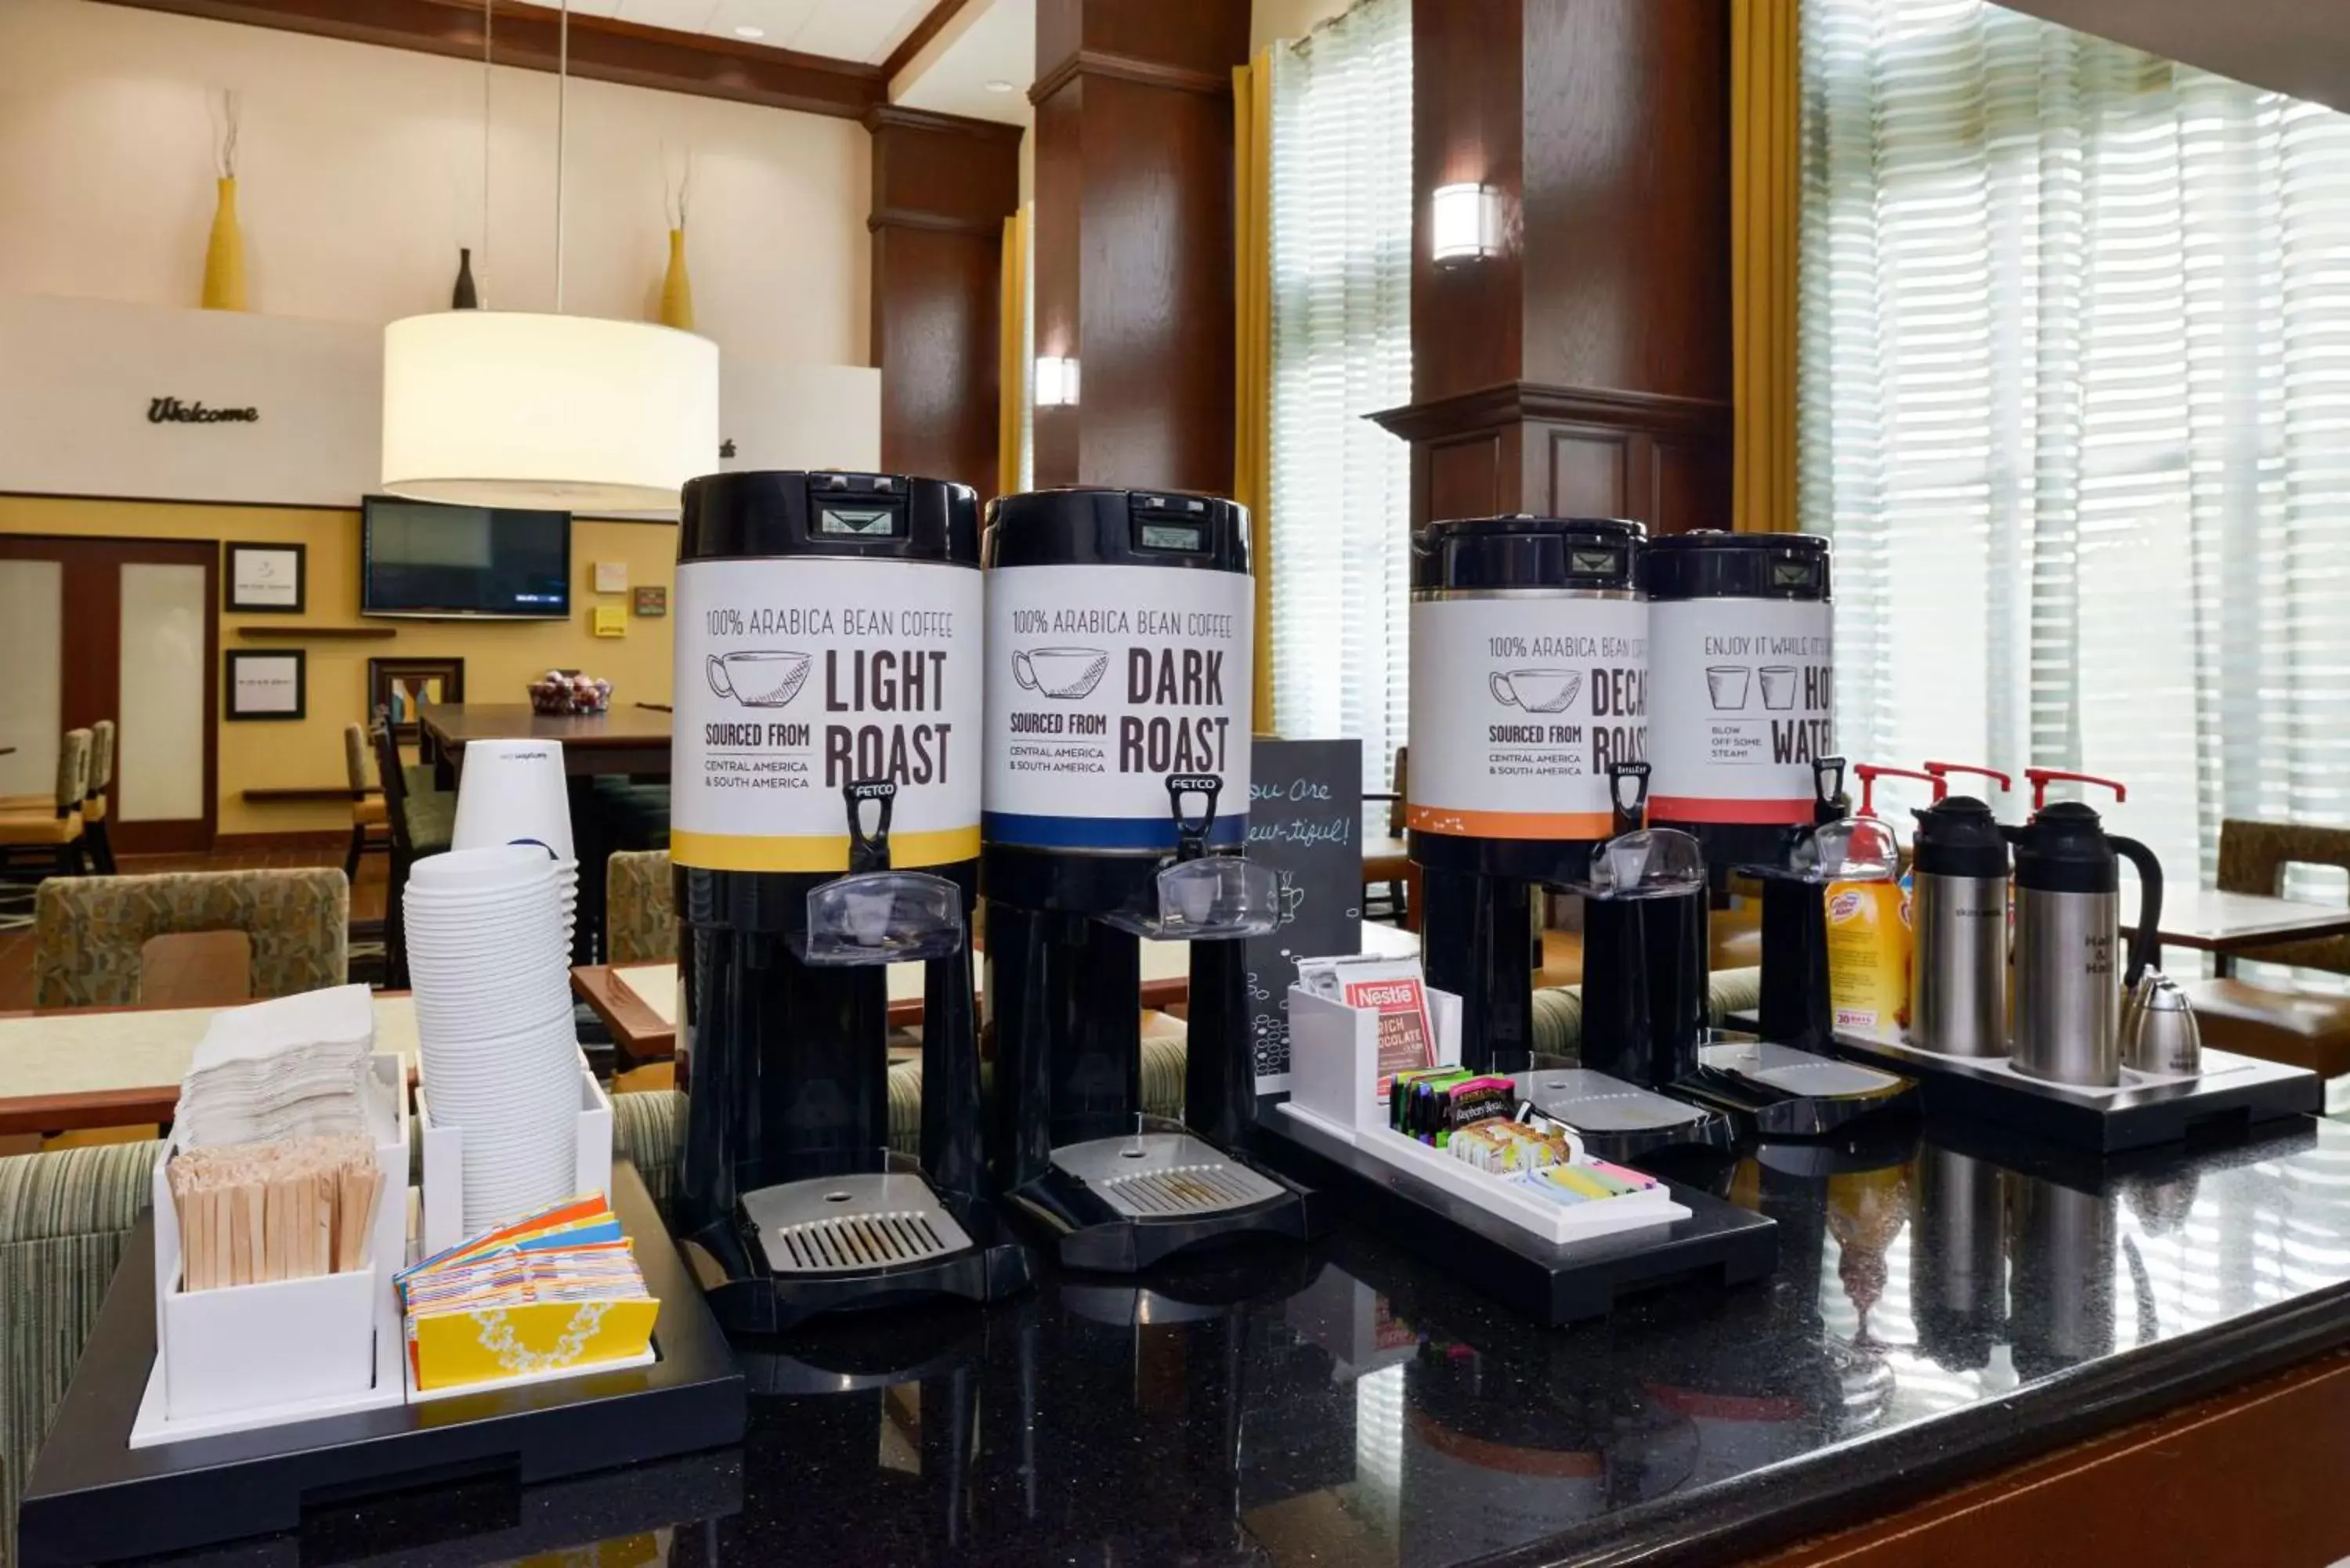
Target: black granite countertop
x,y
1944,1305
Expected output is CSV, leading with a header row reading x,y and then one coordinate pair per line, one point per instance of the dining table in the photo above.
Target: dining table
x,y
638,1002
2227,925
626,742
62,1069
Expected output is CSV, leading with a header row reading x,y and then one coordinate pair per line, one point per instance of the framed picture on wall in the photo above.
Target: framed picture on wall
x,y
266,580
401,684
268,683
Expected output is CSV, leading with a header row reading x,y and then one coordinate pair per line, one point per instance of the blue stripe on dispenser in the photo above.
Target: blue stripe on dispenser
x,y
1101,832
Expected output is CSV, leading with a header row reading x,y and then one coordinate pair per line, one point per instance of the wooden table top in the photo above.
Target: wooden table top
x,y
2214,921
65,1068
635,730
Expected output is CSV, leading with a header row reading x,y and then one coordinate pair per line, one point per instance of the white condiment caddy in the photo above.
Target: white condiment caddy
x,y
1334,1057
241,1357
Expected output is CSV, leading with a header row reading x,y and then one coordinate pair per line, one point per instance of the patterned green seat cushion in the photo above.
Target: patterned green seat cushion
x,y
431,820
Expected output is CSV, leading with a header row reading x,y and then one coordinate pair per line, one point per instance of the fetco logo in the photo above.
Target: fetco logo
x,y
171,412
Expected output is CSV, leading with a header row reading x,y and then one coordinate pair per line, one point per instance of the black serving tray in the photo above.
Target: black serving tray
x,y
93,1498
2151,1113
1717,1246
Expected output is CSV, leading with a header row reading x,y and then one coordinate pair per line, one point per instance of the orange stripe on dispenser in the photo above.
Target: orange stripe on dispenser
x,y
1510,824
1691,808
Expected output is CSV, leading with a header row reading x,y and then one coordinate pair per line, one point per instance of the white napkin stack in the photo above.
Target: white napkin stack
x,y
288,1068
489,955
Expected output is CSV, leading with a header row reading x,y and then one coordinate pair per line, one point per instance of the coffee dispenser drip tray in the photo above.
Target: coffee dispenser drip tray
x,y
847,1223
1789,1093
1620,1121
1126,1203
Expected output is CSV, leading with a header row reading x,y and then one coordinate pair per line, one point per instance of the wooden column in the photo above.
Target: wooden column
x,y
942,187
1133,255
1583,369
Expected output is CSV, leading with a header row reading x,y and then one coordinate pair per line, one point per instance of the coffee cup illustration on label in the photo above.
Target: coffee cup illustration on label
x,y
758,677
1726,686
1779,686
1536,690
1068,674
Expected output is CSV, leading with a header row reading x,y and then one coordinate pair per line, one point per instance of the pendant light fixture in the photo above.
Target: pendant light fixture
x,y
488,408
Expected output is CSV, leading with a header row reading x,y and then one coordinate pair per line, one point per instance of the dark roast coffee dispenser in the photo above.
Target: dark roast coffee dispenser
x,y
825,823
1120,632
1529,681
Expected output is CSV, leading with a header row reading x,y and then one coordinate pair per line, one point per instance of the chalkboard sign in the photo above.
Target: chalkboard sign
x,y
1306,821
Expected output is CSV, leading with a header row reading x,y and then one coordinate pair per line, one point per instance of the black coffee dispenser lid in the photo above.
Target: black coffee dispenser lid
x,y
1958,836
795,512
1090,527
1527,552
1708,564
2064,849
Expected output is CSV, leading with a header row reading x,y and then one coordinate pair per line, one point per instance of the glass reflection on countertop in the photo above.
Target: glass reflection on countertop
x,y
1350,1406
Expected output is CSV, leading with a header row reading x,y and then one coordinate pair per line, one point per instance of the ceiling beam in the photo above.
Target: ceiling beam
x,y
933,21
602,48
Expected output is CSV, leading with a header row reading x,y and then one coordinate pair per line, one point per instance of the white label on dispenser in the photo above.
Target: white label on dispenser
x,y
798,677
1102,682
1519,706
1744,694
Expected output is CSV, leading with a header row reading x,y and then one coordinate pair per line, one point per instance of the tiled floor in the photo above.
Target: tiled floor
x,y
207,970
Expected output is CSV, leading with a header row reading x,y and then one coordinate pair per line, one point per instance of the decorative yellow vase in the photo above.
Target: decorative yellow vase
x,y
224,256
677,287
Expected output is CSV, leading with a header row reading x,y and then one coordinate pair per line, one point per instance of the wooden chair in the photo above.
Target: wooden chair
x,y
1387,863
90,933
93,800
421,822
2278,1023
48,837
371,824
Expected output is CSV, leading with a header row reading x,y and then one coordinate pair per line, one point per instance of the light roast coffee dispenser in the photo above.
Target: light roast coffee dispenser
x,y
1529,681
1121,628
825,823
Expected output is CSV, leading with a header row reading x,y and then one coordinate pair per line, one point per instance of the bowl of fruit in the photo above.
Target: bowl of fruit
x,y
568,691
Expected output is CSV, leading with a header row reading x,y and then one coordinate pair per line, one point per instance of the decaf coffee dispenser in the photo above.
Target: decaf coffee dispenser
x,y
1742,686
1121,628
1529,681
825,823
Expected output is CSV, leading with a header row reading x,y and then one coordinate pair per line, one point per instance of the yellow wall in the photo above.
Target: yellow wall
x,y
501,656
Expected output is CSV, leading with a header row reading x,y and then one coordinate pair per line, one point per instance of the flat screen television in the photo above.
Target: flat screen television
x,y
420,559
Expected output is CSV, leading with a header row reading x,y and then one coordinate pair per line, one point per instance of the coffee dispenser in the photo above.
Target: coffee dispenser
x,y
1742,679
825,823
1120,627
2067,924
1529,681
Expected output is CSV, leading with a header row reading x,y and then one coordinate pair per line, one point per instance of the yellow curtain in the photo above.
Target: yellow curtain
x,y
1012,357
1252,344
1765,72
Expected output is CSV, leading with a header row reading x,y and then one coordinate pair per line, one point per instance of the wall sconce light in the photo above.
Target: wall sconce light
x,y
1466,223
1056,381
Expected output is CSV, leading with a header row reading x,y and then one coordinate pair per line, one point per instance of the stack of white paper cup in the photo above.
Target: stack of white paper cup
x,y
489,945
513,792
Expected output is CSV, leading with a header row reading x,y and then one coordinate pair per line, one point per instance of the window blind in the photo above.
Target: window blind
x,y
1341,350
2075,409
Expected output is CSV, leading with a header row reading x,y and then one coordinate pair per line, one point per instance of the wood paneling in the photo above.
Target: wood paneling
x,y
603,49
942,189
2247,1479
1133,236
1593,350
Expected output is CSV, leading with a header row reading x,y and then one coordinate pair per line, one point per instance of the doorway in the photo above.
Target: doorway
x,y
126,629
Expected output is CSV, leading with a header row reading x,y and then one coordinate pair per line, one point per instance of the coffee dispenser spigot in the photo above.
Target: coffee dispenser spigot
x,y
1829,800
1628,788
873,914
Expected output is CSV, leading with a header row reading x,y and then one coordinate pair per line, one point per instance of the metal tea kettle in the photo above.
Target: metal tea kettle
x,y
2068,998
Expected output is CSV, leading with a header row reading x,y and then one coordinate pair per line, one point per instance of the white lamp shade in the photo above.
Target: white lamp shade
x,y
1465,222
566,412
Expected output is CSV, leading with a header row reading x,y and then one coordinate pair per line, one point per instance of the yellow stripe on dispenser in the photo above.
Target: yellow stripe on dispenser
x,y
725,852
